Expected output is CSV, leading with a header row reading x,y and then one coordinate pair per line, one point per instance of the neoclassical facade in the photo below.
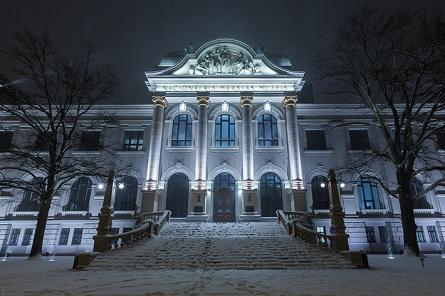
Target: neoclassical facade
x,y
227,139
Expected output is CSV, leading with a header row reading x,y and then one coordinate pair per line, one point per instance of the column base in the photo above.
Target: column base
x,y
298,200
198,202
148,201
249,202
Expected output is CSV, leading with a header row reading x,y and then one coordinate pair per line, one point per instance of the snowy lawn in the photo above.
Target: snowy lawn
x,y
400,276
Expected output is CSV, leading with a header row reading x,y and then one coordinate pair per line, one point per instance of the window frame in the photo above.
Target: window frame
x,y
26,240
440,140
383,234
432,234
229,139
14,236
314,148
361,194
76,240
274,140
65,235
420,234
128,198
26,203
85,145
138,136
355,147
71,205
370,234
5,146
318,189
176,125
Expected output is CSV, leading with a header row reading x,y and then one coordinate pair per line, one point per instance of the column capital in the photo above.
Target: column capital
x,y
160,100
246,100
203,100
290,100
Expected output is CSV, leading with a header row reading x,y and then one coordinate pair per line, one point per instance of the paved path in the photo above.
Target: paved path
x,y
217,246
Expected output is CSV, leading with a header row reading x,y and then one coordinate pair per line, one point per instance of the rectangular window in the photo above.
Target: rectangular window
x,y
90,141
5,140
359,139
64,234
42,141
420,235
14,238
27,237
133,141
316,140
432,234
383,235
370,234
77,236
441,141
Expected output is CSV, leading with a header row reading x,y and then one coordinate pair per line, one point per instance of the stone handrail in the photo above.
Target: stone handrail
x,y
298,223
160,218
149,224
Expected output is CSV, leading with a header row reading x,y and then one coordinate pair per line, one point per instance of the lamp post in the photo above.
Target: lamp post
x,y
105,219
337,215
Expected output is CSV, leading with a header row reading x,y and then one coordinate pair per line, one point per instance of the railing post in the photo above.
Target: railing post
x,y
337,215
101,244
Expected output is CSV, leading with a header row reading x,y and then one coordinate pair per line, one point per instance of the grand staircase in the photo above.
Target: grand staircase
x,y
189,245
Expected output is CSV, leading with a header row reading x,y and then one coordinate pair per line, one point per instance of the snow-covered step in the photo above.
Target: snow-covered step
x,y
187,245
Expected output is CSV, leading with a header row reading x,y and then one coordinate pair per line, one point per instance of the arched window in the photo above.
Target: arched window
x,y
267,130
30,200
126,196
225,131
79,195
416,188
368,194
320,195
271,199
182,131
224,180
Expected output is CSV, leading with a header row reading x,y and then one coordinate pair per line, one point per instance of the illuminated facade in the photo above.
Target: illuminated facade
x,y
228,140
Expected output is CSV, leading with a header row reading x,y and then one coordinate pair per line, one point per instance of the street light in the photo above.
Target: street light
x,y
121,185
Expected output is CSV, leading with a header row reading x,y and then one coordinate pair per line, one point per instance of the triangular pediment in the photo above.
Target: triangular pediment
x,y
214,65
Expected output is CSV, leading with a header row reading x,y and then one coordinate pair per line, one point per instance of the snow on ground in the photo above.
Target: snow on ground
x,y
400,276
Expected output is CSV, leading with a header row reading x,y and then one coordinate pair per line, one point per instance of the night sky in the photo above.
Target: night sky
x,y
132,36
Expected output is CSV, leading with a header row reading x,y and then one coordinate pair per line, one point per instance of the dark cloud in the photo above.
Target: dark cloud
x,y
132,36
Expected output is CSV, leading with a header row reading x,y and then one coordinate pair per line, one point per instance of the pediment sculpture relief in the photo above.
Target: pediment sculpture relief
x,y
221,61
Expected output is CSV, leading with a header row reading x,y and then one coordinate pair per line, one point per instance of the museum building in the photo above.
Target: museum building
x,y
232,135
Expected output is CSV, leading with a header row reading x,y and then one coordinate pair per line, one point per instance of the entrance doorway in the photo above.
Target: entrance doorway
x,y
271,198
224,198
177,195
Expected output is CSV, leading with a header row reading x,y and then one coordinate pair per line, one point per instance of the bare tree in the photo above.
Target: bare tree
x,y
53,98
394,63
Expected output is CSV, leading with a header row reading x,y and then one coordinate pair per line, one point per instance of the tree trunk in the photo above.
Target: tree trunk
x,y
39,233
411,247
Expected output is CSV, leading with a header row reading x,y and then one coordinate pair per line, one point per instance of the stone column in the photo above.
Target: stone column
x,y
199,190
249,193
154,154
298,193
